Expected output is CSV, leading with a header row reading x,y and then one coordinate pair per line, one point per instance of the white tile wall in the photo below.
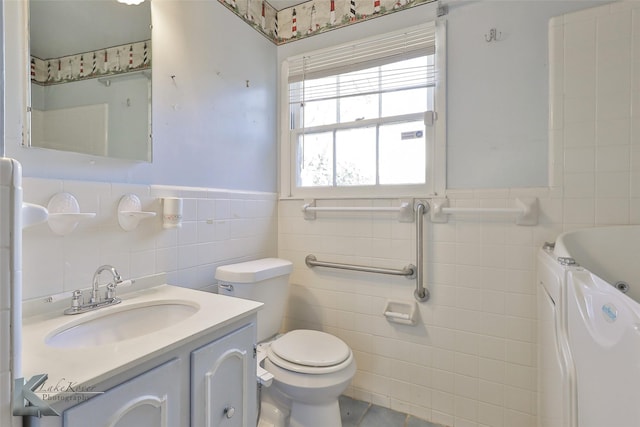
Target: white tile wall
x,y
10,282
596,62
219,227
5,299
471,361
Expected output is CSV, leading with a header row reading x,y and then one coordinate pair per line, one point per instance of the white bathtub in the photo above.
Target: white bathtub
x,y
588,330
611,253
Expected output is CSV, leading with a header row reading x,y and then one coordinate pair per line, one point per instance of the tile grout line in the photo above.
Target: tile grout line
x,y
364,413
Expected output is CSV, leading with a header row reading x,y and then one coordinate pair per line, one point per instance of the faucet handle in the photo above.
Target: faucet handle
x,y
75,298
76,304
125,283
111,291
111,287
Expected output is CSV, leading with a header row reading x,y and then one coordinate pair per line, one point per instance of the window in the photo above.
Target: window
x,y
360,116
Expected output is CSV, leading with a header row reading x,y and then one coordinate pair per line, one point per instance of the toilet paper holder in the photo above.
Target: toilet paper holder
x,y
404,312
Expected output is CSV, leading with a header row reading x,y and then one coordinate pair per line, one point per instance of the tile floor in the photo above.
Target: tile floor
x,y
356,413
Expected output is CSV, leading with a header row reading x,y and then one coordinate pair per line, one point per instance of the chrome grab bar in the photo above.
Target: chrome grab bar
x,y
408,270
421,293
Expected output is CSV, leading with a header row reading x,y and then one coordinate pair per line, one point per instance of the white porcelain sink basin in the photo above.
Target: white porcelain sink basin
x,y
120,323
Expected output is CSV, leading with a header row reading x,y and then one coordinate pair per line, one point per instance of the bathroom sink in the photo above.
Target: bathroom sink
x,y
120,323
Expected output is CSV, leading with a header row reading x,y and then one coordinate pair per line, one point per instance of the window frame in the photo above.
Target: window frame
x,y
435,147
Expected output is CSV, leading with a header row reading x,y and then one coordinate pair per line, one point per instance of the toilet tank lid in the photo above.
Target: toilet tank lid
x,y
254,271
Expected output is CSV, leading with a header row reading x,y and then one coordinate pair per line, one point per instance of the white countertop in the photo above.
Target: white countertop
x,y
91,365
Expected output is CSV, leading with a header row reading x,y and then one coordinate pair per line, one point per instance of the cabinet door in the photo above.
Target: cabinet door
x,y
223,381
149,400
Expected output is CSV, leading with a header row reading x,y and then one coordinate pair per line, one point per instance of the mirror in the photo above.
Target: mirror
x,y
91,77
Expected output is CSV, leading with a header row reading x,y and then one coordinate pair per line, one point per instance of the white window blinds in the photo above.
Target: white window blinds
x,y
360,60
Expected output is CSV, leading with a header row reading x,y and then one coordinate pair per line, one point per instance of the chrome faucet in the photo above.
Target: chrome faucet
x,y
95,297
95,302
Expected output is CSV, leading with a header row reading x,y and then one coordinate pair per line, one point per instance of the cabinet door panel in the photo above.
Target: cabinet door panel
x,y
149,400
223,382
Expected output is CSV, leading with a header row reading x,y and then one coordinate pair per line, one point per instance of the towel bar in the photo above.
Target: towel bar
x,y
409,270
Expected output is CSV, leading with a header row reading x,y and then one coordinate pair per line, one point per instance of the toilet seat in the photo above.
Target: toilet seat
x,y
309,352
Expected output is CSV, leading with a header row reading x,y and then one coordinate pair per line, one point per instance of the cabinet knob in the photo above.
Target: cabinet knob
x,y
229,411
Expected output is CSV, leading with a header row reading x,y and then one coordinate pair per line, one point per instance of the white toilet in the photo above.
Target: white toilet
x,y
310,369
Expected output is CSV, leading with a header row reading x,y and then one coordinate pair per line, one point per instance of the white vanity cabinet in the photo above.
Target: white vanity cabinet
x,y
148,400
196,371
223,381
207,382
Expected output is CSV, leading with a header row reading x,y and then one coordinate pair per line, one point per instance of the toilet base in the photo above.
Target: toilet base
x,y
305,415
271,416
277,410
295,399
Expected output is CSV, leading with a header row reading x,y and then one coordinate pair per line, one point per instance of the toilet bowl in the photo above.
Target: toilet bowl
x,y
310,369
303,372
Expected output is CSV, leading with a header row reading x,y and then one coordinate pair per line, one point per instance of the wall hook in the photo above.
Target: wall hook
x,y
494,36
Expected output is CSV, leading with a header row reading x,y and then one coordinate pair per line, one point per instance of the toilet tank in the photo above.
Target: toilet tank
x,y
264,280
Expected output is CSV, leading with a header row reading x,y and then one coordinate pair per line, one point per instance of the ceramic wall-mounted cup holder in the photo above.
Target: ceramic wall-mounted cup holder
x,y
64,213
130,212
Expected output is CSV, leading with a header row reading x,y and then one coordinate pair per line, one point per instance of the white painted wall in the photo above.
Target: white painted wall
x,y
497,123
209,128
208,120
497,110
10,279
2,83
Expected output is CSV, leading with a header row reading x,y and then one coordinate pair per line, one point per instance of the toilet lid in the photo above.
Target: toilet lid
x,y
311,348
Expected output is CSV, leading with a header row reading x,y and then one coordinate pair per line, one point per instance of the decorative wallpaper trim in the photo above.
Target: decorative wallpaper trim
x,y
88,65
312,17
